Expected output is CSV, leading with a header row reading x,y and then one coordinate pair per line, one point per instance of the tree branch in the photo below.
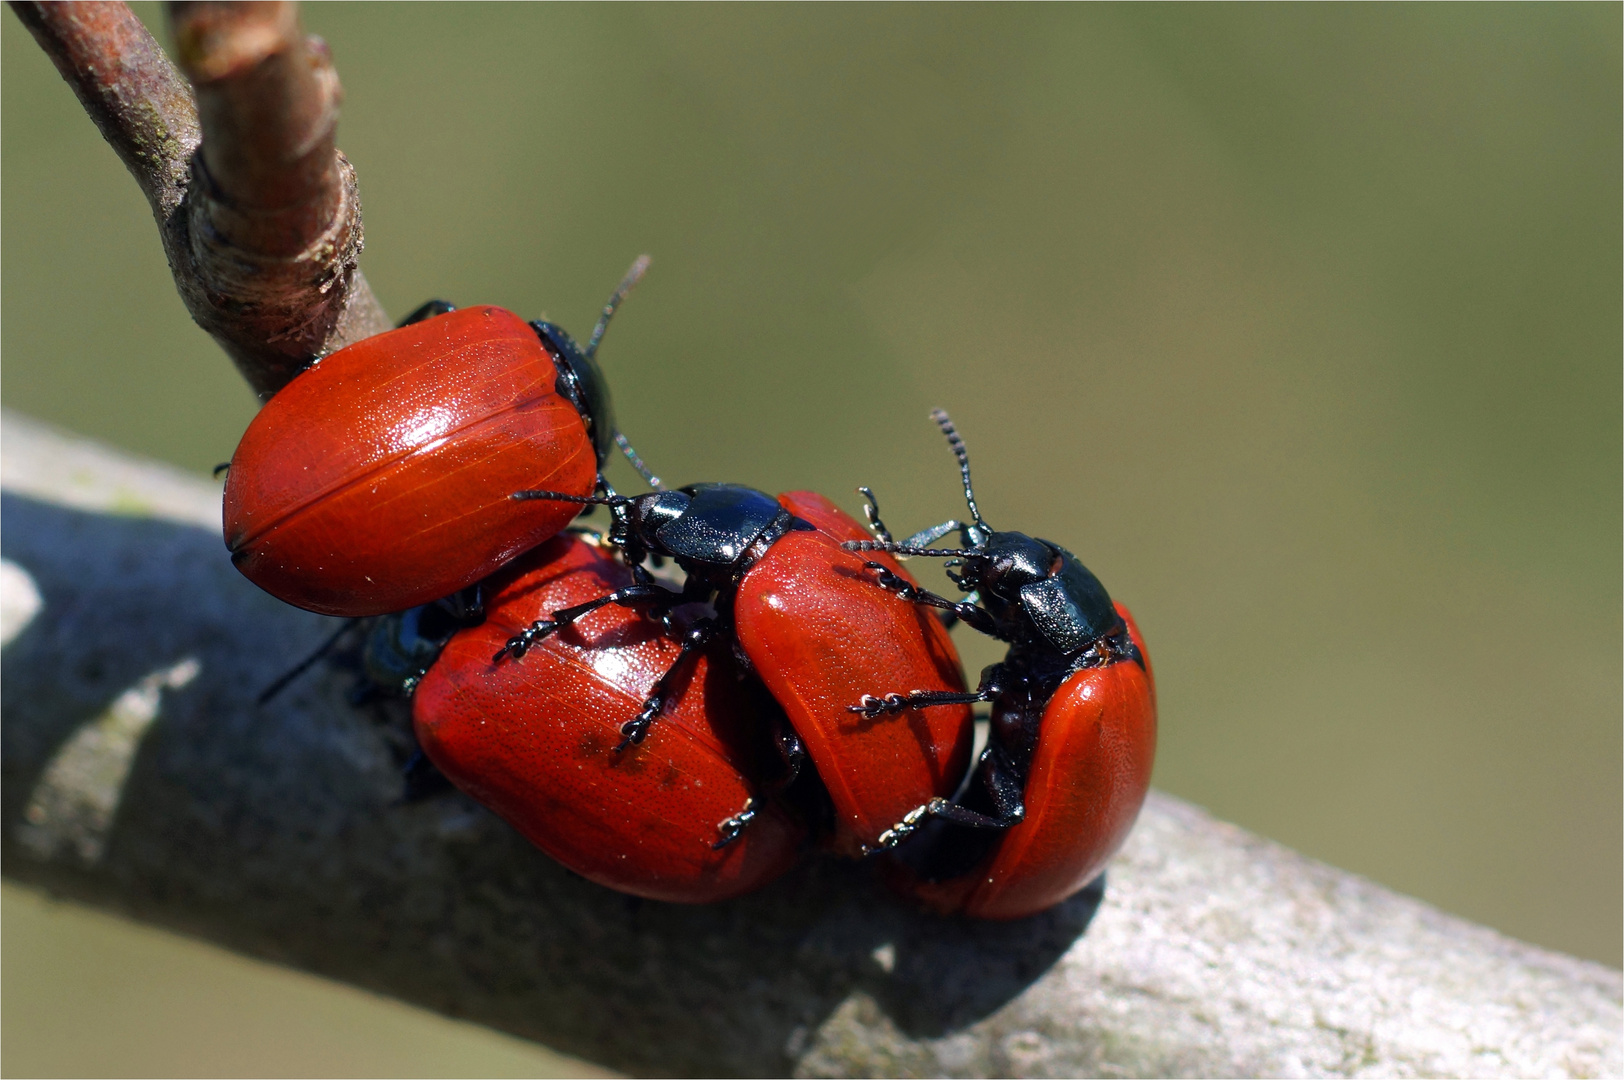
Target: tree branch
x,y
258,213
138,774
138,101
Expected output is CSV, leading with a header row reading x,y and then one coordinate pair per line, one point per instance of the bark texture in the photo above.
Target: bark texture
x,y
140,775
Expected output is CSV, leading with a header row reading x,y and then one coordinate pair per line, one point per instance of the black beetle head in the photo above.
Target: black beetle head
x,y
1023,581
639,520
1004,563
400,648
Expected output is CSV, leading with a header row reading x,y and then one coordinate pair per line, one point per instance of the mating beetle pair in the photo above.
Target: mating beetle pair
x,y
843,644
1073,726
812,628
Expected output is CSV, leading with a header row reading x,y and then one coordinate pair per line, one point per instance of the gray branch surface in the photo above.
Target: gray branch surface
x,y
139,775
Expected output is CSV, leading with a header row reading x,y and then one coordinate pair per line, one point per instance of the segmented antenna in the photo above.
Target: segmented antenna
x,y
906,549
957,445
584,500
633,276
637,462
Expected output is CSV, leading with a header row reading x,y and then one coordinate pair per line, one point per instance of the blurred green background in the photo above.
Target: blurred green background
x,y
1300,325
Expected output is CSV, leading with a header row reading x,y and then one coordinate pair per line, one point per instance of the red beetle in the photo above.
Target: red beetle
x,y
1085,783
379,478
811,625
1073,732
537,742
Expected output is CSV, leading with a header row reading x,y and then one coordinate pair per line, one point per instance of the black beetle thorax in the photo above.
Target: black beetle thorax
x,y
1042,597
720,527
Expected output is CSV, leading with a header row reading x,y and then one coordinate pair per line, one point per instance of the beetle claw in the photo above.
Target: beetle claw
x,y
635,730
520,643
909,824
871,706
733,827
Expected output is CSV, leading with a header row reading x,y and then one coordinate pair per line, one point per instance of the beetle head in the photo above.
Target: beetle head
x,y
1033,588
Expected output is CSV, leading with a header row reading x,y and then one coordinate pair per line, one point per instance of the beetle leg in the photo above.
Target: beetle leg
x,y
733,827
936,808
910,822
793,751
630,596
970,613
1005,785
307,663
421,778
950,619
992,685
927,537
465,607
741,659
636,729
871,706
947,811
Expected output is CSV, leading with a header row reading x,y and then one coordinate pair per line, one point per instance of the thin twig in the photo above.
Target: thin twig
x,y
258,213
138,101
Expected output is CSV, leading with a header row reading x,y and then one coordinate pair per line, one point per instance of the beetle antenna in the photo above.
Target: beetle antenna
x,y
306,664
637,462
957,445
639,267
906,549
584,500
